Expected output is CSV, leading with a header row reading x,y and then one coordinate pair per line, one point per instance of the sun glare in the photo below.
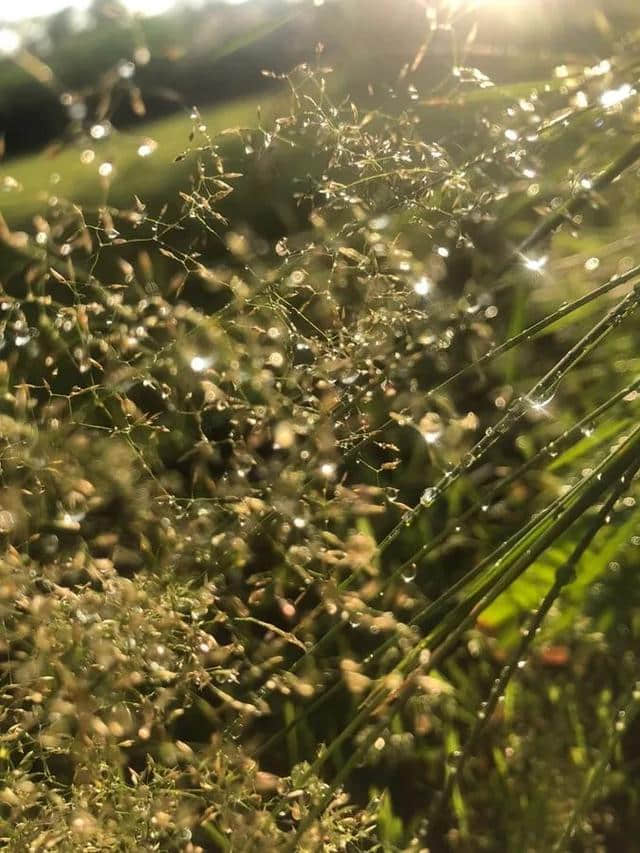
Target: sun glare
x,y
149,7
456,5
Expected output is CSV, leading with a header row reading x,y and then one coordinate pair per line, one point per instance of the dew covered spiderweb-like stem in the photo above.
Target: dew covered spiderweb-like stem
x,y
542,231
463,617
564,575
554,220
527,334
427,614
537,398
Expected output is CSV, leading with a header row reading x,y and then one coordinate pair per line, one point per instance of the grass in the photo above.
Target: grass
x,y
155,177
320,533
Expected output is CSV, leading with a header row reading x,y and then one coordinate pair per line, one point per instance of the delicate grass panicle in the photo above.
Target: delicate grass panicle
x,y
319,517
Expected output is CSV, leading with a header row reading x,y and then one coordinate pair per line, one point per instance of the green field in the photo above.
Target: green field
x,y
154,178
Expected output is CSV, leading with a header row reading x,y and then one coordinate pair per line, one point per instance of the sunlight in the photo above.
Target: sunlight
x,y
149,7
10,42
37,9
457,5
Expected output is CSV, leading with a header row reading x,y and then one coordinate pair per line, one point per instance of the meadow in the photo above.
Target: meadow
x,y
319,448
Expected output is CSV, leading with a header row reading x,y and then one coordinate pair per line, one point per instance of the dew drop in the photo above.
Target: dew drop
x,y
409,574
428,496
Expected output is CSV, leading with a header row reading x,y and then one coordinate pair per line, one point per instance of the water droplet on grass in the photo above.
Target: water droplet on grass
x,y
409,574
428,496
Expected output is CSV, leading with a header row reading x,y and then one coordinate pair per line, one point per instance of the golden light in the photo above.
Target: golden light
x,y
466,5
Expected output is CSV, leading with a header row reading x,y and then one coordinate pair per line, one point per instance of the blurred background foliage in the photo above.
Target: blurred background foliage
x,y
319,427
